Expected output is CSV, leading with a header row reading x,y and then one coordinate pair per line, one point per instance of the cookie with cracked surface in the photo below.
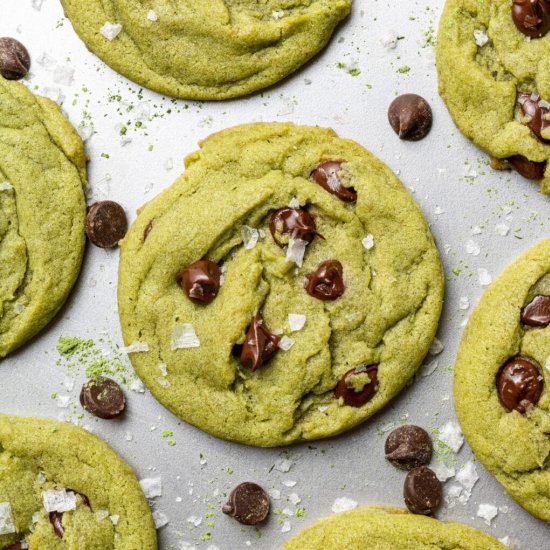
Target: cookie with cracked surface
x,y
384,528
61,486
501,384
212,49
316,318
42,212
493,61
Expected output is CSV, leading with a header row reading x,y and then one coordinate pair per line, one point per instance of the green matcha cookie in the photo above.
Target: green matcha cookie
x,y
285,288
207,49
42,212
501,379
378,528
62,487
493,60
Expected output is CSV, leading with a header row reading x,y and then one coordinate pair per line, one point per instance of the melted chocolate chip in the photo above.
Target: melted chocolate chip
x,y
15,60
326,175
106,224
292,223
352,394
408,447
259,345
200,281
532,17
147,230
103,398
537,116
326,282
16,546
537,312
422,491
411,117
248,503
519,384
527,168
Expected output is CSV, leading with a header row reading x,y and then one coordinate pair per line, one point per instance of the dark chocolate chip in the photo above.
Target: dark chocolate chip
x,y
259,345
326,175
147,230
408,447
519,384
16,546
103,397
56,521
536,116
537,312
352,390
527,168
422,491
326,282
106,224
15,60
248,503
200,281
292,223
532,17
410,117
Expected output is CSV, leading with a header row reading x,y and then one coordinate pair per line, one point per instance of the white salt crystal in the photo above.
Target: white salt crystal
x,y
163,369
289,483
295,251
293,498
368,242
464,302
472,248
286,343
100,515
451,435
283,465
194,520
59,501
443,472
343,504
168,164
137,386
63,401
136,347
484,277
389,40
18,308
151,487
286,526
160,519
37,4
488,512
7,525
54,94
64,75
250,237
476,230
275,494
184,336
294,203
429,368
152,16
110,30
437,347
5,186
480,38
468,476
287,512
296,321
68,383
114,519
277,14
502,229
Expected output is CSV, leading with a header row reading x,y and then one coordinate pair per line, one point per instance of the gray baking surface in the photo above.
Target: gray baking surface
x,y
348,87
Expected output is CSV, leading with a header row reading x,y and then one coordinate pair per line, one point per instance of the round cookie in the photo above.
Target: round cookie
x,y
62,486
495,81
42,212
212,49
360,348
502,406
381,528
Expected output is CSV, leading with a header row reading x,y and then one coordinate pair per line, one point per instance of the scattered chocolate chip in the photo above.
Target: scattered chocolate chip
x,y
422,491
15,60
519,384
535,115
326,282
352,389
295,223
56,521
16,546
410,117
103,397
259,345
537,312
248,503
147,230
326,175
200,281
408,447
532,17
106,224
527,168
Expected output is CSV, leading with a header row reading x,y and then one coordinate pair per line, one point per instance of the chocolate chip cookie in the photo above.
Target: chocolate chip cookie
x,y
42,212
493,60
501,380
287,286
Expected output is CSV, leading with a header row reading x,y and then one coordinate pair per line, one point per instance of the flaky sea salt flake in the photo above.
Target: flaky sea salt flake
x,y
484,277
286,343
295,251
151,487
368,242
152,15
451,434
59,501
110,30
437,347
184,336
250,237
5,186
160,519
7,525
480,38
296,321
343,504
487,512
136,347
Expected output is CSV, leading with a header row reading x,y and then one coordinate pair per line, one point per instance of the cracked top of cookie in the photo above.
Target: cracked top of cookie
x,y
287,286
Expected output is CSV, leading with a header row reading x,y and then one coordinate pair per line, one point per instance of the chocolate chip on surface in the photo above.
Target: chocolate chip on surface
x,y
358,385
103,398
326,282
200,281
411,117
259,345
15,60
248,503
295,223
408,447
326,175
147,230
527,168
422,491
532,17
537,312
519,384
106,224
536,116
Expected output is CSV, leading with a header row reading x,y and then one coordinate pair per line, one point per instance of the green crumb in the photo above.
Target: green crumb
x,y
171,442
166,433
300,512
69,345
457,270
354,72
206,536
404,69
